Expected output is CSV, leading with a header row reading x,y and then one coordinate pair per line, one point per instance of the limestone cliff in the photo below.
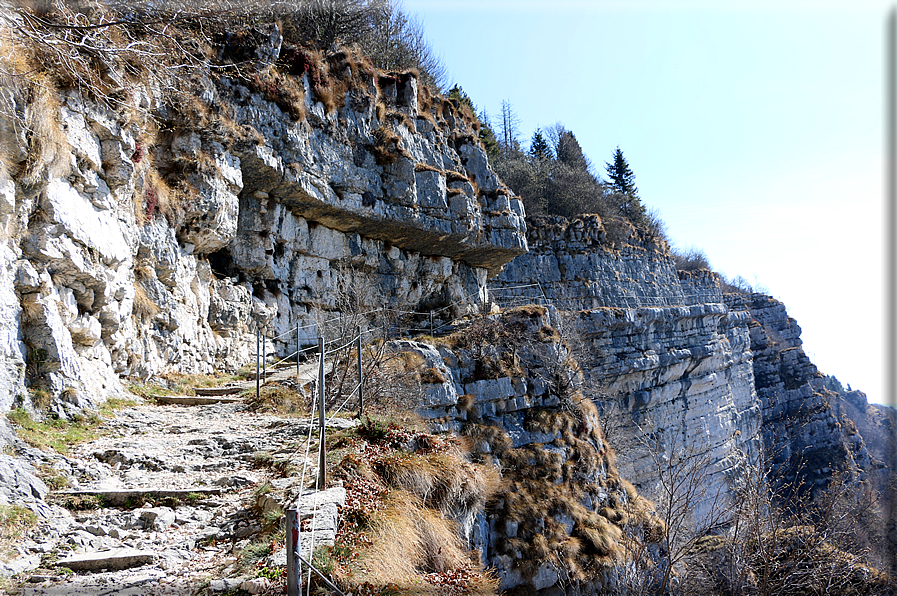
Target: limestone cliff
x,y
564,518
662,354
805,433
158,236
130,251
670,358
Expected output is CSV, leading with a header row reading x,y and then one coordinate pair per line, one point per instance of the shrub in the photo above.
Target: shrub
x,y
690,259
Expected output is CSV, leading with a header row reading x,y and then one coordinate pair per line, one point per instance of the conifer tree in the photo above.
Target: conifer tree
x,y
620,176
570,152
539,147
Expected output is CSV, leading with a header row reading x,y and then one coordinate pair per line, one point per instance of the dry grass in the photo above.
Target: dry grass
x,y
48,147
386,147
444,480
32,309
412,547
425,167
432,375
158,197
277,399
144,307
542,492
405,512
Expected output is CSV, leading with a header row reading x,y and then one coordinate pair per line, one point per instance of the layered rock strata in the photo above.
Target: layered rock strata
x,y
133,254
579,264
666,360
510,385
805,434
674,381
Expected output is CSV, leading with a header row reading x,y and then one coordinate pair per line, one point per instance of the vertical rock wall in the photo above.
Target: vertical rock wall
x,y
130,252
578,264
666,360
802,427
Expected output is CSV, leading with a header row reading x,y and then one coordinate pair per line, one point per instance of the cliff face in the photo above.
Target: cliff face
x,y
581,263
129,251
511,386
807,437
126,250
665,359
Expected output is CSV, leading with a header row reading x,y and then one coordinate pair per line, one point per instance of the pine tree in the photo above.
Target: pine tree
x,y
622,180
539,147
570,152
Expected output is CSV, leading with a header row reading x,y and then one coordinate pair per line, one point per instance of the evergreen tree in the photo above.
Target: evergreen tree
x,y
487,137
539,147
570,153
620,176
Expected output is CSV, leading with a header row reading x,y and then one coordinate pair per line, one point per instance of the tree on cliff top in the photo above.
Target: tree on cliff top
x,y
620,175
539,147
570,153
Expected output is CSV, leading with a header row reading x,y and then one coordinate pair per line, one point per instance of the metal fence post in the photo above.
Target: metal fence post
x,y
294,568
298,350
322,451
360,377
264,358
258,384
431,324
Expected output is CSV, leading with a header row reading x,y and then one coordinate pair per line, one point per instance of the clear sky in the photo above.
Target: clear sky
x,y
756,128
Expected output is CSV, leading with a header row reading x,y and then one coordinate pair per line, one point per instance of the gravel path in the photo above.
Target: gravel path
x,y
184,547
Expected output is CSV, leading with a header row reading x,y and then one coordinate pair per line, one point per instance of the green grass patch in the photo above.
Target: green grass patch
x,y
58,435
149,391
254,552
15,520
113,404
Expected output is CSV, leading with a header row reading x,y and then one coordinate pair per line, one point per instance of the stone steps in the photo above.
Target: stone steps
x,y
196,400
120,497
114,559
218,391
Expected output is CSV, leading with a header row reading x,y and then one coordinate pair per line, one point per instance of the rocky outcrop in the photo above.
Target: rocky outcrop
x,y
580,264
674,380
511,386
804,432
135,253
665,359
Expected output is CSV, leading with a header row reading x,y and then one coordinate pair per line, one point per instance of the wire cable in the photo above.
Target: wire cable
x,y
336,411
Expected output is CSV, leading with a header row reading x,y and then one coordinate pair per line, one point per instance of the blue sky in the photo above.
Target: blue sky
x,y
755,128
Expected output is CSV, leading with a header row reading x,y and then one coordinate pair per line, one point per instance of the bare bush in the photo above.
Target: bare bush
x,y
687,503
690,259
739,285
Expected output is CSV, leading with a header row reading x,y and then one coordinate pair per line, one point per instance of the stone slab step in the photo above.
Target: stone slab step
x,y
119,497
217,391
196,400
117,558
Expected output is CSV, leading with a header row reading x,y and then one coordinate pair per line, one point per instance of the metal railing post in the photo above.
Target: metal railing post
x,y
258,384
294,568
264,358
431,324
298,349
322,451
360,377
